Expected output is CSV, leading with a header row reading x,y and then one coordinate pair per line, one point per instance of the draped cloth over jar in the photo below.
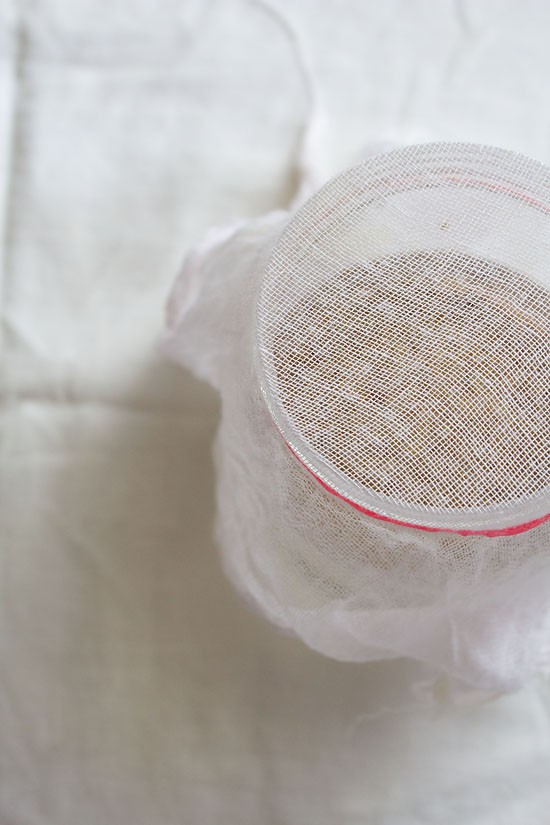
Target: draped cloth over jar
x,y
382,357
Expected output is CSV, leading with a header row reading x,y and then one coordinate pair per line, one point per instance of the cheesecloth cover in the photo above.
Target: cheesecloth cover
x,y
383,457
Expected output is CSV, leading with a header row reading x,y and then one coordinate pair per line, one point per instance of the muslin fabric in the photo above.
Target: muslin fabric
x,y
265,311
135,686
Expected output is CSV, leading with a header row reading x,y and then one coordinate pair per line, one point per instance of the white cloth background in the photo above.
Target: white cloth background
x,y
134,686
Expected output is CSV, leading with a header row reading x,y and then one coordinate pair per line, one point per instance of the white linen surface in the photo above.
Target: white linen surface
x,y
134,686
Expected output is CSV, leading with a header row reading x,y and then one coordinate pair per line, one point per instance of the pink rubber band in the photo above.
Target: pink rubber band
x,y
506,531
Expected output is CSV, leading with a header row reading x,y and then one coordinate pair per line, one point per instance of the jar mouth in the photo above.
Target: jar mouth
x,y
403,338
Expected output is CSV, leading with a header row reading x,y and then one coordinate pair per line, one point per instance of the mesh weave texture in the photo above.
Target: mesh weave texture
x,y
404,332
292,318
